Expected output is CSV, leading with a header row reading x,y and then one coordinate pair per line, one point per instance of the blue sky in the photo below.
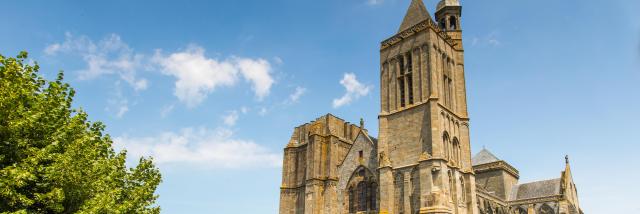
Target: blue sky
x,y
213,89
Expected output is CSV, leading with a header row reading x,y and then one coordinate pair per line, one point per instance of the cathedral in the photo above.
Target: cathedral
x,y
421,161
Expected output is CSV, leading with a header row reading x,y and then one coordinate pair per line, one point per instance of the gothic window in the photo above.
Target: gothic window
x,y
401,81
405,79
456,151
409,76
521,211
351,201
545,209
445,143
447,82
362,196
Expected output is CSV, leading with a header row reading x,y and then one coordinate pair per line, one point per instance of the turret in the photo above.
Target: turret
x,y
448,15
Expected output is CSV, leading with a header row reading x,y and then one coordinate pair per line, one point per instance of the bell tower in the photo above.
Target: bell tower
x,y
448,14
424,148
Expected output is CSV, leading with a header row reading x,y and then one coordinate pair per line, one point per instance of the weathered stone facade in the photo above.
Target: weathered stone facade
x,y
422,161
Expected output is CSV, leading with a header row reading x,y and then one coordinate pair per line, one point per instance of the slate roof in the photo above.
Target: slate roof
x,y
416,13
483,157
536,189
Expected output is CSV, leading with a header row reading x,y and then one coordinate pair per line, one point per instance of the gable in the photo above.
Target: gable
x,y
363,153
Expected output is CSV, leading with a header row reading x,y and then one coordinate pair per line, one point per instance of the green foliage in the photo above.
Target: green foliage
x,y
53,160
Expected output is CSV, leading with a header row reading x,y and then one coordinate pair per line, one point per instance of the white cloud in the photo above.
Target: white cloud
x,y
231,118
354,91
258,72
108,56
197,75
295,96
202,147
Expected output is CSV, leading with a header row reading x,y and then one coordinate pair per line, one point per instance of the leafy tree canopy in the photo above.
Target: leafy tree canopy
x,y
53,160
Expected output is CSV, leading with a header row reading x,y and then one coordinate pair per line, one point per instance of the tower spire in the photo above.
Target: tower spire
x,y
416,13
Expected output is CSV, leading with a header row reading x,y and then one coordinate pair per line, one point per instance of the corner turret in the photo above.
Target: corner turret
x,y
448,15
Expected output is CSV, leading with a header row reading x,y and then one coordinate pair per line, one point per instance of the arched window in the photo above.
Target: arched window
x,y
445,143
401,81
545,209
362,196
351,201
453,23
447,82
456,151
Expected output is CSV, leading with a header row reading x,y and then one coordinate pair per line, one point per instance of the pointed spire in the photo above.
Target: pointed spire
x,y
416,13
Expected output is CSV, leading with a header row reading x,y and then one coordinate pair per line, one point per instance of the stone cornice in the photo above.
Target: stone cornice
x,y
495,166
535,200
415,105
446,109
341,139
426,24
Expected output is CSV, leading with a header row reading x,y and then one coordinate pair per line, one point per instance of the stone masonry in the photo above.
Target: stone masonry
x,y
421,161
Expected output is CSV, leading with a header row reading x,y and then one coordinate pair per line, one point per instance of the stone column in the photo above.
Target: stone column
x,y
426,180
437,201
435,64
386,189
407,192
393,91
384,87
417,75
425,69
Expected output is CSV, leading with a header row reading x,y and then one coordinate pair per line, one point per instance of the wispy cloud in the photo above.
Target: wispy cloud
x,y
108,56
166,110
354,90
202,147
491,39
198,75
117,103
231,118
295,96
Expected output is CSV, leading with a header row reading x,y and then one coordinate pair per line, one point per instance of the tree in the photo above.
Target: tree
x,y
53,160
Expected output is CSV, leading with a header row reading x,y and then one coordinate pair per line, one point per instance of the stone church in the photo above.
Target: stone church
x,y
421,161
